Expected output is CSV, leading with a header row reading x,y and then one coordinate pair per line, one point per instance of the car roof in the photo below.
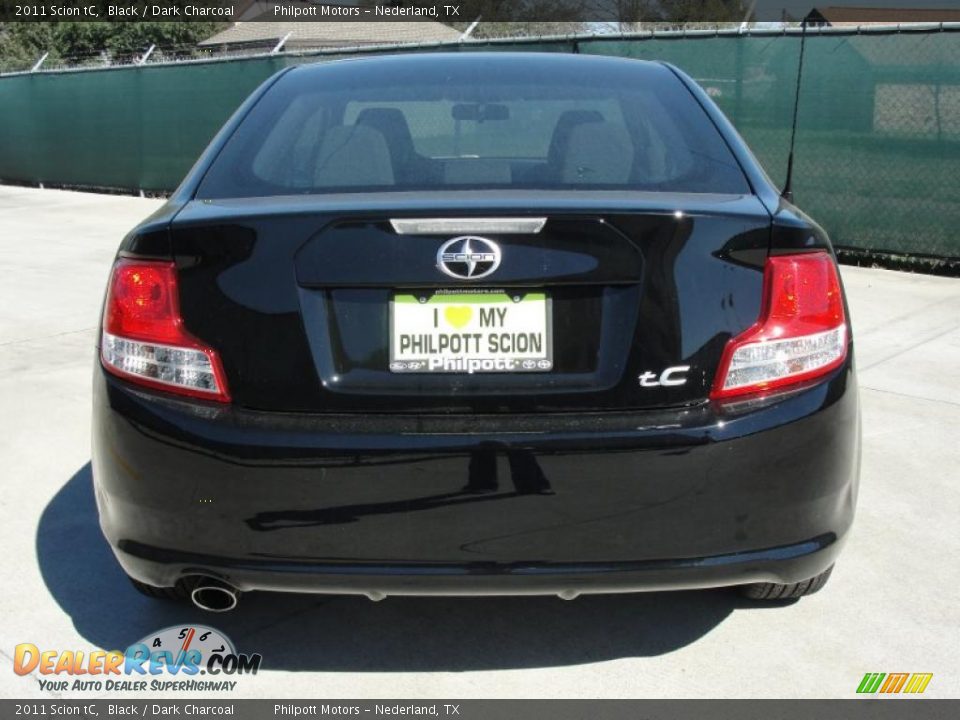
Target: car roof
x,y
492,62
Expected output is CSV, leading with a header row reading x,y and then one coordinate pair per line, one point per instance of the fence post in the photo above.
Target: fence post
x,y
39,62
469,31
282,42
738,88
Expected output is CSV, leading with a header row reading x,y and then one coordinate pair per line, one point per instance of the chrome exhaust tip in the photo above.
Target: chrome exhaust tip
x,y
215,596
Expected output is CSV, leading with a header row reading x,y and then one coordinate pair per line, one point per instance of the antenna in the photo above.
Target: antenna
x,y
787,193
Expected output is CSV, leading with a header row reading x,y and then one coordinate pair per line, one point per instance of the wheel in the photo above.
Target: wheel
x,y
178,592
776,591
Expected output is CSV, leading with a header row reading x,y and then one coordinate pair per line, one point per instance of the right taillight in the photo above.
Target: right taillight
x,y
801,333
144,339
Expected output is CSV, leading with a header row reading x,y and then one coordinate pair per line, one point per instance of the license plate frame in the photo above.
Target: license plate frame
x,y
469,307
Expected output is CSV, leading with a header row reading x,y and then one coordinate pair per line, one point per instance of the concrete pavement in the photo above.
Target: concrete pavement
x,y
889,607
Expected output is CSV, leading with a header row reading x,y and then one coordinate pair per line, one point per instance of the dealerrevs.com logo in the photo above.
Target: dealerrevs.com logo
x,y
173,659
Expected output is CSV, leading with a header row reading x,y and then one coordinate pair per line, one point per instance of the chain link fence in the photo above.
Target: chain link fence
x,y
878,125
103,59
877,144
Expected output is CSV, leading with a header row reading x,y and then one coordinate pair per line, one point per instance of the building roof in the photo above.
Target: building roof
x,y
832,15
259,28
333,34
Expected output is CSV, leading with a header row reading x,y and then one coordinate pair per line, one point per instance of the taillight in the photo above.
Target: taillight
x,y
801,333
143,335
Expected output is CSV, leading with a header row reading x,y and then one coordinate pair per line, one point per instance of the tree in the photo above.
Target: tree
x,y
631,14
21,44
702,11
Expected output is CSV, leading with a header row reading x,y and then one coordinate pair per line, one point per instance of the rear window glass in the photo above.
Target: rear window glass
x,y
466,125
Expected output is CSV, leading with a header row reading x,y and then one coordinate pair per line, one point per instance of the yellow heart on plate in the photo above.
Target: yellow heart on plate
x,y
458,315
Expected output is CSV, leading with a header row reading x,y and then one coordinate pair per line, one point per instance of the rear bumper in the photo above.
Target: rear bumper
x,y
559,504
783,564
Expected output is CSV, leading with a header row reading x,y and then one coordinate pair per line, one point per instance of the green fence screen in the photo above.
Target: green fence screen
x,y
877,151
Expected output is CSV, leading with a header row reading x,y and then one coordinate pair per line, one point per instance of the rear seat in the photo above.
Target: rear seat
x,y
409,167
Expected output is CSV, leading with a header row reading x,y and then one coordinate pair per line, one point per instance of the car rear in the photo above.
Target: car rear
x,y
476,324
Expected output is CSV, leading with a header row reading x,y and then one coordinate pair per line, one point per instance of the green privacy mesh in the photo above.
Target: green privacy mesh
x,y
135,128
878,139
877,149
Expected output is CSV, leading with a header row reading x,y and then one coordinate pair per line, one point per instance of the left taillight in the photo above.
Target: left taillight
x,y
801,334
143,337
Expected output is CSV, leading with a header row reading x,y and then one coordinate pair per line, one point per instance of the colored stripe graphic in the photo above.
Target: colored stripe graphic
x,y
870,682
918,682
894,683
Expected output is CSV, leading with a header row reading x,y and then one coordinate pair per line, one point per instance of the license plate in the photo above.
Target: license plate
x,y
470,331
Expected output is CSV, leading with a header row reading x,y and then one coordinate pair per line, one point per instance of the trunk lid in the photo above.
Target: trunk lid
x,y
296,295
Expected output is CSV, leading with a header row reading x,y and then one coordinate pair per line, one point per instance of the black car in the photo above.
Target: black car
x,y
476,323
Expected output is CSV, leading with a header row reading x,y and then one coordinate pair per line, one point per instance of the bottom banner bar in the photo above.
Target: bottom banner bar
x,y
869,709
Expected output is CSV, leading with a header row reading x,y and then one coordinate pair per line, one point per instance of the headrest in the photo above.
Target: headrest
x,y
597,154
353,155
561,132
393,124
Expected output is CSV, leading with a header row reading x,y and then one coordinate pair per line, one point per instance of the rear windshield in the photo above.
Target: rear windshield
x,y
463,124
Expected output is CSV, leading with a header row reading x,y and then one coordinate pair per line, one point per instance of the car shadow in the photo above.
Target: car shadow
x,y
313,632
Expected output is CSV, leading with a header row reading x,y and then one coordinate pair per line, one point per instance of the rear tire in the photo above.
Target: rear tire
x,y
178,592
791,591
